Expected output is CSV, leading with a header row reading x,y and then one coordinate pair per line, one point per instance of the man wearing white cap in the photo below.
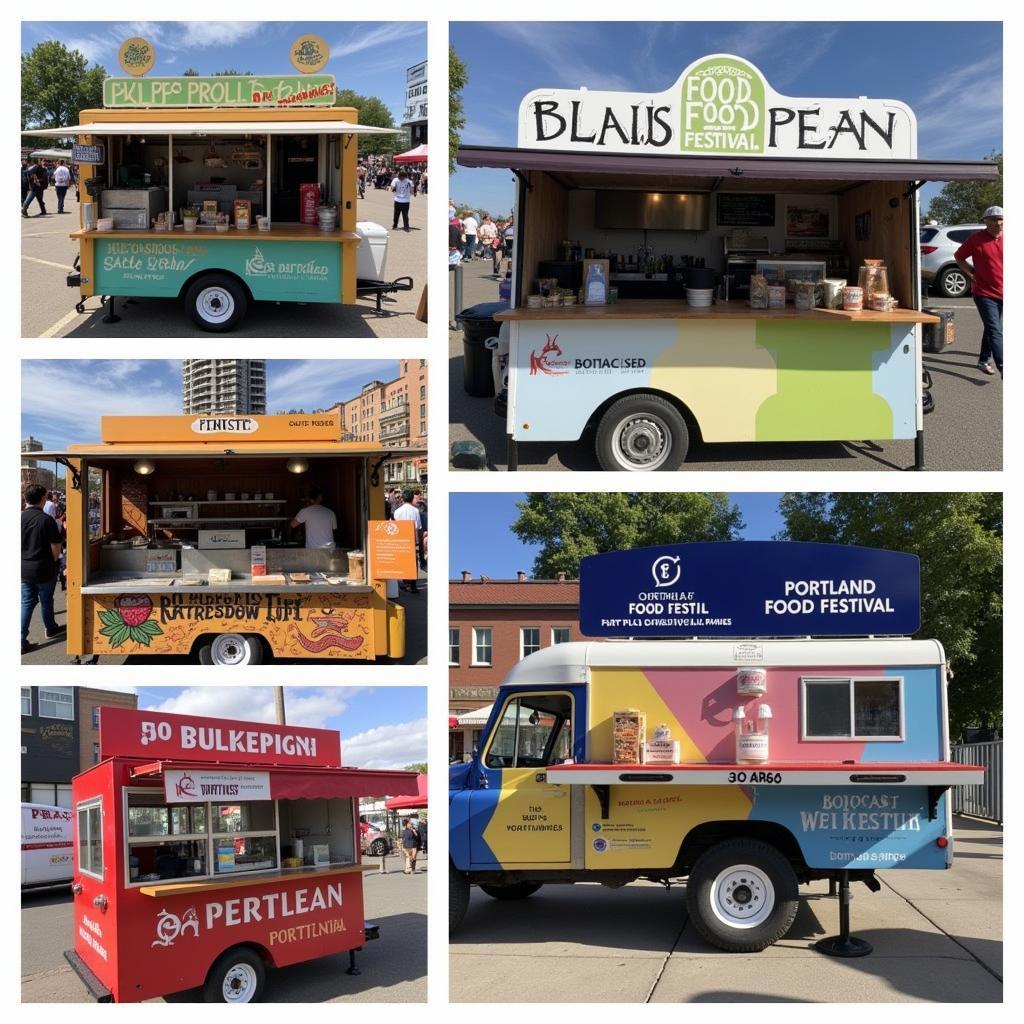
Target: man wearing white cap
x,y
985,249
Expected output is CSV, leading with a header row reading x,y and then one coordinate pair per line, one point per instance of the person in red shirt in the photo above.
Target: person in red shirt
x,y
985,249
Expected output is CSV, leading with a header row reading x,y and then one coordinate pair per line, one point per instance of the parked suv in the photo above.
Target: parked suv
x,y
938,268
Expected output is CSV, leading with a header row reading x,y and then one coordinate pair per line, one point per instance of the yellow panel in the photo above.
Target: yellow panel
x,y
530,824
717,369
300,426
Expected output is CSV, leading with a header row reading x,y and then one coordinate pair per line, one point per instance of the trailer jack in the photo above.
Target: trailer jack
x,y
844,944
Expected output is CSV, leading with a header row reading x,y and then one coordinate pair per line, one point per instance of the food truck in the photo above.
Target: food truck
x,y
180,541
790,730
221,191
207,850
634,209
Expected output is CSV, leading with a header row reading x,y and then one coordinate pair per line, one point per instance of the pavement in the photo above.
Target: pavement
x,y
964,432
937,937
54,652
48,305
394,967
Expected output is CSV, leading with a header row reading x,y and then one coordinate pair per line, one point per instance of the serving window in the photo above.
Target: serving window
x,y
90,838
853,709
533,732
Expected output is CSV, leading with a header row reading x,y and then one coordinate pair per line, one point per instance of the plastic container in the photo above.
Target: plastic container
x,y
751,682
327,218
833,292
595,288
699,296
853,297
752,735
106,224
372,251
776,296
478,324
356,566
874,280
804,294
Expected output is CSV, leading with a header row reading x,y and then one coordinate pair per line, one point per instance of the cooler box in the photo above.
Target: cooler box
x,y
372,251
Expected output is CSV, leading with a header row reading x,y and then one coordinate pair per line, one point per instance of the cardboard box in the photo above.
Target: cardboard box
x,y
258,560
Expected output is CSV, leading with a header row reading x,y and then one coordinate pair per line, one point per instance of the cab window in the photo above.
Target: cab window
x,y
534,731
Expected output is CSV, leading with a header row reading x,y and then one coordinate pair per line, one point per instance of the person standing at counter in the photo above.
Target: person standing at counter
x,y
40,554
402,187
320,522
985,248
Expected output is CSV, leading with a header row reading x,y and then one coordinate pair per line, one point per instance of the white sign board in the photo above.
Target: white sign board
x,y
721,105
196,787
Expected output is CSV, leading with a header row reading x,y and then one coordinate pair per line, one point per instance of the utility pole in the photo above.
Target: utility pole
x,y
279,704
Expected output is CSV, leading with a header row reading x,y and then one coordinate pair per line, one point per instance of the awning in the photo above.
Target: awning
x,y
417,155
477,718
409,803
295,783
218,449
719,173
204,128
50,154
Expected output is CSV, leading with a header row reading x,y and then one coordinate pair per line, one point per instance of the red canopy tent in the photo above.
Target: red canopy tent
x,y
409,803
413,156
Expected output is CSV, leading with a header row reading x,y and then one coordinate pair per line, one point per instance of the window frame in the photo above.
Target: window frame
x,y
548,747
522,641
851,683
90,804
457,630
70,702
566,629
474,663
26,691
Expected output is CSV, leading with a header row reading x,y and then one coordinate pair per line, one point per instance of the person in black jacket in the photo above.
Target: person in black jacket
x,y
410,846
38,179
40,554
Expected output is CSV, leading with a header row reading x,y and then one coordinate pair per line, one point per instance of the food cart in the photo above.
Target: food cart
x,y
220,191
207,850
179,541
703,187
790,731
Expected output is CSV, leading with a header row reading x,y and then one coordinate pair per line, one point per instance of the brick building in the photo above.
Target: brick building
x,y
393,414
492,624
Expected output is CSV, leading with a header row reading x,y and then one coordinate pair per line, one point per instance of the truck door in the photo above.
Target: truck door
x,y
518,818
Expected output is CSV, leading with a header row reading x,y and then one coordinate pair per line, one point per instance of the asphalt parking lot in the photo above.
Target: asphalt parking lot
x,y
48,305
937,937
964,432
394,967
54,652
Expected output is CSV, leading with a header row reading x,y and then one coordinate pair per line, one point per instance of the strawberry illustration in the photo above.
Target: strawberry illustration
x,y
129,620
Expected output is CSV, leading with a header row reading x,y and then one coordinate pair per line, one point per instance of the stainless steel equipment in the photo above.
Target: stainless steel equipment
x,y
133,207
742,251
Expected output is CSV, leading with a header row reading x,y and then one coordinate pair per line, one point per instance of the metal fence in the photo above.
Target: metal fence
x,y
986,800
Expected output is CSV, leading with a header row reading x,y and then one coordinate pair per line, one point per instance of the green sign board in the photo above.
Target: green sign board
x,y
221,91
723,107
274,270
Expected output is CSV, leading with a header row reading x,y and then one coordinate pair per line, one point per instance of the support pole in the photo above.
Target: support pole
x,y
352,969
844,944
110,317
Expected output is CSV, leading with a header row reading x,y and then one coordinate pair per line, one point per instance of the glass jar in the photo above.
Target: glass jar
x,y
872,278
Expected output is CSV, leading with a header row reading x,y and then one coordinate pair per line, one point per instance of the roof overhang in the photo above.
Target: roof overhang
x,y
713,173
218,449
201,129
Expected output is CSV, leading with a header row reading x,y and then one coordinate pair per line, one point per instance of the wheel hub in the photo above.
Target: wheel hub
x,y
643,441
228,650
742,896
215,304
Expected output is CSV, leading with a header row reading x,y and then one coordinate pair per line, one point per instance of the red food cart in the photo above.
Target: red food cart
x,y
209,849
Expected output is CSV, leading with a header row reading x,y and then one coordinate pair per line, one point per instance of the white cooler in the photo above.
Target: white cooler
x,y
372,251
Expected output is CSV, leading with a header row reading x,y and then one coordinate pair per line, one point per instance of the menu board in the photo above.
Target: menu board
x,y
392,549
746,209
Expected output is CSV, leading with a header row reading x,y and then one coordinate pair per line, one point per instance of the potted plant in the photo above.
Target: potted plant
x,y
190,217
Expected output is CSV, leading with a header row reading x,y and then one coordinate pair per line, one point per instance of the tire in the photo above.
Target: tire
x,y
238,976
515,891
232,649
378,848
458,897
953,283
742,895
642,433
216,302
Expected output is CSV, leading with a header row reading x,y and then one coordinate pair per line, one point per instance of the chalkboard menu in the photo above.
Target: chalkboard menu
x,y
744,209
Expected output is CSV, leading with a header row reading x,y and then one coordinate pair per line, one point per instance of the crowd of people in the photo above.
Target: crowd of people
x,y
410,505
38,176
471,237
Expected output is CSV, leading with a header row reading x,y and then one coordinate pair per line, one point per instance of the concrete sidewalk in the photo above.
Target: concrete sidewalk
x,y
937,938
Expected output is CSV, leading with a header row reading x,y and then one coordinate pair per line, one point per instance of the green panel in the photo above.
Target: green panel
x,y
825,382
220,91
279,270
723,108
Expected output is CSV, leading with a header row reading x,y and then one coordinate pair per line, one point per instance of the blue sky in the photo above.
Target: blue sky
x,y
380,726
62,400
498,553
369,57
950,73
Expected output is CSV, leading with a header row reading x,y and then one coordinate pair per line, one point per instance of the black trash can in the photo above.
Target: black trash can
x,y
478,324
938,337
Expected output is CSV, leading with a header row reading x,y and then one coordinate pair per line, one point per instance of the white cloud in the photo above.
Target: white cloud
x,y
960,106
754,40
317,383
387,746
312,708
361,38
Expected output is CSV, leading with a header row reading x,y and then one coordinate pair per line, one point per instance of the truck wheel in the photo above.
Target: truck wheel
x,y
378,848
236,977
216,302
458,897
231,649
642,433
742,895
516,891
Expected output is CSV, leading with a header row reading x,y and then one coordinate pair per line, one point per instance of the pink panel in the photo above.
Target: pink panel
x,y
703,700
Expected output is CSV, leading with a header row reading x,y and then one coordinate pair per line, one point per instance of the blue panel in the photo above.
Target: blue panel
x,y
923,719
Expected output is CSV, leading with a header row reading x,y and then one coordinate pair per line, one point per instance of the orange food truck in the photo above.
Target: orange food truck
x,y
180,541
208,849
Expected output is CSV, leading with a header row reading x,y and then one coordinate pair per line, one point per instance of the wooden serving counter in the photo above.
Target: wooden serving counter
x,y
677,309
277,233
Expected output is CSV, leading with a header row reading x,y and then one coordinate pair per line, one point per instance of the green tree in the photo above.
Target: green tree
x,y
231,73
373,111
190,73
57,83
420,767
570,526
963,202
457,79
959,538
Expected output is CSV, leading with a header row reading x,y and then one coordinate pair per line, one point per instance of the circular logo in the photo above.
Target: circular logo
x,y
666,570
600,844
309,54
596,827
136,56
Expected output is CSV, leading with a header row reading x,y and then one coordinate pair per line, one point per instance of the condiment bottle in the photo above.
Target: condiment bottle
x,y
751,735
